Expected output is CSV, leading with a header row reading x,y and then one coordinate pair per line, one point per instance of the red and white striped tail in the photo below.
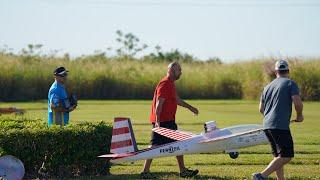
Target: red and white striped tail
x,y
123,140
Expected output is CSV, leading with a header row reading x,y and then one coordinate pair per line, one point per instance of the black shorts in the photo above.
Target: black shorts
x,y
157,139
281,142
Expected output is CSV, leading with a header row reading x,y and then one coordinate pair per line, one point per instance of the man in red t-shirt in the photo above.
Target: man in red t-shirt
x,y
164,107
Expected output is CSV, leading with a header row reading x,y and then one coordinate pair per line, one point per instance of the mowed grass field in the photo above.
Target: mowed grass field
x,y
305,165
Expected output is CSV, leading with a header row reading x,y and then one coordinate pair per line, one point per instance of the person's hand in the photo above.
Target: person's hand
x,y
157,124
72,108
194,110
299,118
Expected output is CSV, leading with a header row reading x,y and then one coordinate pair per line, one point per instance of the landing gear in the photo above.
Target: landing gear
x,y
234,155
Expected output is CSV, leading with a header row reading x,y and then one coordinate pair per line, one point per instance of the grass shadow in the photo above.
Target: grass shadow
x,y
159,175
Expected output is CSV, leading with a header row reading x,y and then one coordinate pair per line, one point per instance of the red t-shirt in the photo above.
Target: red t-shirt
x,y
167,90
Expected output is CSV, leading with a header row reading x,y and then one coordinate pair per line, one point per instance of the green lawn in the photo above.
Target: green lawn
x,y
306,164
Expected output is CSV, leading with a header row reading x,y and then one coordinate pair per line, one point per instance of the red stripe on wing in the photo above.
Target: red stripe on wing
x,y
172,134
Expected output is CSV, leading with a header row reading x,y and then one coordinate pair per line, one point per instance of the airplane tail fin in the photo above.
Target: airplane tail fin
x,y
123,140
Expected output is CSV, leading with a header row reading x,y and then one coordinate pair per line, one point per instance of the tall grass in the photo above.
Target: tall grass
x,y
96,77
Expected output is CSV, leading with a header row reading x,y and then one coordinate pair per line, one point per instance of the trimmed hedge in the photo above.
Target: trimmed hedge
x,y
65,152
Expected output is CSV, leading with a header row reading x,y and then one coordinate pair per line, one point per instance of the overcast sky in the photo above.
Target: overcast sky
x,y
231,30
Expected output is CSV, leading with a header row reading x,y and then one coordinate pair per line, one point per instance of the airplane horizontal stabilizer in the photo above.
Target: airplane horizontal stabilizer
x,y
114,156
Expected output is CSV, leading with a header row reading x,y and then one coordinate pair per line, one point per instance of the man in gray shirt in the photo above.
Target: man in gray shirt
x,y
276,107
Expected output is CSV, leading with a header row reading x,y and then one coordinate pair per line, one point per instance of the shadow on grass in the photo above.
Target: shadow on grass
x,y
159,175
175,175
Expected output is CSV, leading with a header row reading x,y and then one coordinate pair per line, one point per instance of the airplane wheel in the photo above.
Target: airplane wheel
x,y
234,155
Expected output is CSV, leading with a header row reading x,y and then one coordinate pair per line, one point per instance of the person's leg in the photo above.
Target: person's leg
x,y
185,172
275,165
147,164
285,150
155,139
274,151
280,174
181,163
180,159
282,150
145,174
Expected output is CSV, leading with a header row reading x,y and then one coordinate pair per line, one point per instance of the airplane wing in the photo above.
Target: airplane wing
x,y
172,134
231,136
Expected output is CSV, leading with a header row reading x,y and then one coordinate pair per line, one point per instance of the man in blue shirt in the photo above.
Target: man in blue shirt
x,y
276,107
58,101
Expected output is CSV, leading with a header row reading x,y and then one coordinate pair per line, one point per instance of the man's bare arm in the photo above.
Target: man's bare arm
x,y
182,103
298,107
261,107
159,105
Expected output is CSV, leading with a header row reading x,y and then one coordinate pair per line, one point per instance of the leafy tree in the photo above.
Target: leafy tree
x,y
130,45
32,50
214,60
173,55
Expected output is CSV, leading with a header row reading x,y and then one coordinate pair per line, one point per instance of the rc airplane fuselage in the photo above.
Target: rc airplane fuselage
x,y
124,149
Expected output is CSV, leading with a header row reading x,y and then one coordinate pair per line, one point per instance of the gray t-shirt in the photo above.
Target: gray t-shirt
x,y
277,101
